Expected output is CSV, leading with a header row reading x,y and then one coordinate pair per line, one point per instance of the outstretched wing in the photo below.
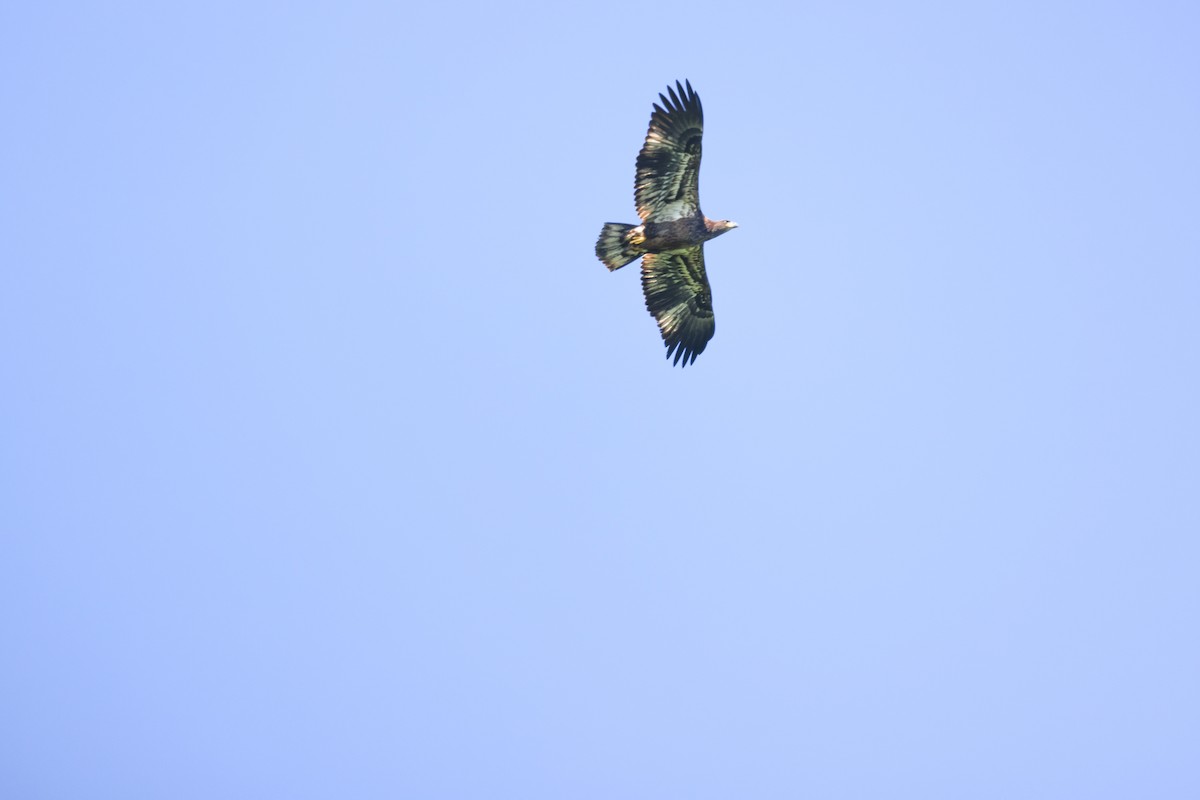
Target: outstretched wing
x,y
679,298
667,185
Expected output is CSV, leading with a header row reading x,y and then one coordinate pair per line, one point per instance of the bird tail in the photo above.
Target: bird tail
x,y
619,244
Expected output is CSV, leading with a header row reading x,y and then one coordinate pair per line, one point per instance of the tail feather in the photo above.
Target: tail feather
x,y
618,245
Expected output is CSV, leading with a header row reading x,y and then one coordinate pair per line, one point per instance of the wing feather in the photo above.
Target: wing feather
x,y
680,300
667,185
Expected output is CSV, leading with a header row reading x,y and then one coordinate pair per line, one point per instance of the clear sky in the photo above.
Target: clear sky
x,y
333,464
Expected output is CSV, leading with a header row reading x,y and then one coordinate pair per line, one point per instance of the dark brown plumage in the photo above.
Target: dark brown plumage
x,y
671,238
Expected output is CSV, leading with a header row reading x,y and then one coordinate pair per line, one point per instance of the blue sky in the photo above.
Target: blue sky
x,y
333,464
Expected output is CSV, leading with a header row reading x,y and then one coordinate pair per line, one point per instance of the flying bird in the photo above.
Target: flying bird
x,y
671,238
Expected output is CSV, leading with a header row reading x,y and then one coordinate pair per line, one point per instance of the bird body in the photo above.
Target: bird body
x,y
670,240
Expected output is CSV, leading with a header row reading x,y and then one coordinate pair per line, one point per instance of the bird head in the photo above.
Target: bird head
x,y
718,226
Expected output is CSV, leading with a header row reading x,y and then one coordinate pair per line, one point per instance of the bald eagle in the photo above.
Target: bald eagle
x,y
671,238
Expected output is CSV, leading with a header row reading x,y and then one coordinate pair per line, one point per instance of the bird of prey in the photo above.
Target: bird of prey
x,y
671,238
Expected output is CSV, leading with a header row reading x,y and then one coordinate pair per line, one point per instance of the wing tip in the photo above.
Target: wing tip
x,y
679,99
685,354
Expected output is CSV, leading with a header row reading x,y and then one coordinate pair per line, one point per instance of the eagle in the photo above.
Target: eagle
x,y
671,238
